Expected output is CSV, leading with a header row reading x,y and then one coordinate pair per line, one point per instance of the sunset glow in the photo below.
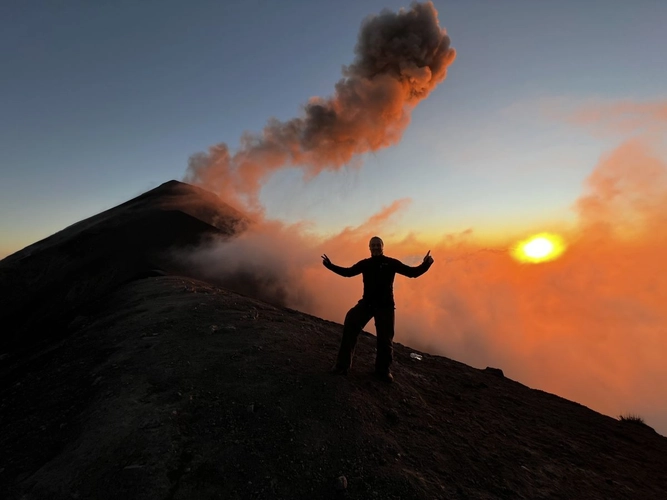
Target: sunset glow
x,y
539,248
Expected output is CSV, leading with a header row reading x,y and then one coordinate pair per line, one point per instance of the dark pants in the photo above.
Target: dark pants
x,y
355,320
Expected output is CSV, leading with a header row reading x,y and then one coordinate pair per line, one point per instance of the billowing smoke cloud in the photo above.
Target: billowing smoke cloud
x,y
590,326
400,58
628,194
264,261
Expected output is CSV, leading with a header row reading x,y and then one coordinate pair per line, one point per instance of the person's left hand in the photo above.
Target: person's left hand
x,y
428,259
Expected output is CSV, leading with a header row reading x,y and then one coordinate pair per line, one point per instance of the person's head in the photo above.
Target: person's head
x,y
376,246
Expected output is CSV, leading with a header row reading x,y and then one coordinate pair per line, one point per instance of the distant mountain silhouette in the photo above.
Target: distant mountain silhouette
x,y
121,376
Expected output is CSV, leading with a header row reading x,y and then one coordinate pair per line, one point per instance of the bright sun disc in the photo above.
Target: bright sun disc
x,y
539,248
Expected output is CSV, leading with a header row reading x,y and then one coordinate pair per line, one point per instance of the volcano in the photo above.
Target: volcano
x,y
123,375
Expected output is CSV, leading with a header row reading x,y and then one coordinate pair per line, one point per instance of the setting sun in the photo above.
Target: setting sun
x,y
539,248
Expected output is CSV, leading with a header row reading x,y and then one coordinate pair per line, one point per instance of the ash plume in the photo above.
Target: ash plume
x,y
400,58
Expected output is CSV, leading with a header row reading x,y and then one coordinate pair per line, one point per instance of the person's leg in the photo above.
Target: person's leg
x,y
384,327
355,319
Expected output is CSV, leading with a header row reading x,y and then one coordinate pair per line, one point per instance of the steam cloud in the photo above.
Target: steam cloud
x,y
400,58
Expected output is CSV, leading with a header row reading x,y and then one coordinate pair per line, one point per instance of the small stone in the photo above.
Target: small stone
x,y
494,371
341,483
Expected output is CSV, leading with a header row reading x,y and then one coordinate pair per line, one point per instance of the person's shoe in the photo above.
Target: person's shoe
x,y
339,370
385,377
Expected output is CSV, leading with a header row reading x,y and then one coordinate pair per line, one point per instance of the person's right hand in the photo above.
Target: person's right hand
x,y
325,260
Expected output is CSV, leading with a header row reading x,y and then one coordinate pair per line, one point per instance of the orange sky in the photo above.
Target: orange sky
x,y
590,326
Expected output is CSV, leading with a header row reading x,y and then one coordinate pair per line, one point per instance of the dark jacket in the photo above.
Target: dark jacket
x,y
378,273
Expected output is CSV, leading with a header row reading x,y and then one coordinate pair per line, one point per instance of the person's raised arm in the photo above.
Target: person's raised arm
x,y
416,271
347,272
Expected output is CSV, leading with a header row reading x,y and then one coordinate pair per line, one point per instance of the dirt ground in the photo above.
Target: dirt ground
x,y
171,388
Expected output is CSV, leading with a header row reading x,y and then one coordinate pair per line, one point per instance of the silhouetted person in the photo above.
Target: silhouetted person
x,y
377,302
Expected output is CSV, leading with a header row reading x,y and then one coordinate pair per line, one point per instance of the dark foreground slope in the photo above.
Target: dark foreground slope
x,y
43,285
170,388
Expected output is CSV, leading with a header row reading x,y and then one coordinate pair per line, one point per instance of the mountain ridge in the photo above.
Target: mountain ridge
x,y
43,284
